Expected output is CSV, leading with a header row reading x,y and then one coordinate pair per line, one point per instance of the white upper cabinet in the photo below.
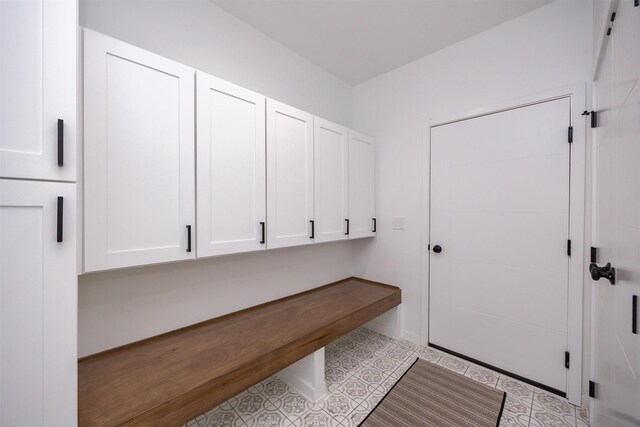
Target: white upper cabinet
x,y
331,170
139,158
230,168
289,176
38,304
361,186
38,89
268,175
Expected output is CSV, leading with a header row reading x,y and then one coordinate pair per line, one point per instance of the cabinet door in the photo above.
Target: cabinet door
x,y
38,298
361,186
230,168
289,175
331,192
139,201
38,88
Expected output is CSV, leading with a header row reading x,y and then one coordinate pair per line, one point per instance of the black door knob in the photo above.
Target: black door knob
x,y
607,272
437,249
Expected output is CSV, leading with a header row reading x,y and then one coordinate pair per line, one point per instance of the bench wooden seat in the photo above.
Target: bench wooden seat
x,y
172,378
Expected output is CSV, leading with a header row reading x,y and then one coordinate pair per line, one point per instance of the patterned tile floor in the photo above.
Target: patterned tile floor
x,y
360,368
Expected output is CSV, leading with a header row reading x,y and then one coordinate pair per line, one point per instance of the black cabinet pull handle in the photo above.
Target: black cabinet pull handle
x,y
313,229
60,142
347,233
634,314
188,238
437,249
59,219
375,225
262,239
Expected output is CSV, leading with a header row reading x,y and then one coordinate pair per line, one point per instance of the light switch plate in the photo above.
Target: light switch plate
x,y
397,223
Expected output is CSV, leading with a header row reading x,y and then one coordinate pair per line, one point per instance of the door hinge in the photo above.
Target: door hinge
x,y
567,359
613,16
569,247
594,117
570,134
592,389
594,254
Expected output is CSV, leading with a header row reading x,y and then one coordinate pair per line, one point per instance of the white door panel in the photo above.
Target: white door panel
x,y
500,212
289,175
38,87
361,186
470,232
616,349
331,169
139,155
38,298
231,167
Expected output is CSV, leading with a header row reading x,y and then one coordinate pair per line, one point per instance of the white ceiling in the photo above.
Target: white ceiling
x,y
359,39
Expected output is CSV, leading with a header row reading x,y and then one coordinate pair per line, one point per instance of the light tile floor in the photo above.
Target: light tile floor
x,y
361,367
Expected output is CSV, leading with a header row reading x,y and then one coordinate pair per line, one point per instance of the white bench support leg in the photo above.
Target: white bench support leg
x,y
306,376
386,324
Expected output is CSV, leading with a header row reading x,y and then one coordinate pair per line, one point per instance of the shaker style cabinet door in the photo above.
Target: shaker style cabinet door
x,y
230,168
38,304
361,186
289,176
331,181
38,89
139,160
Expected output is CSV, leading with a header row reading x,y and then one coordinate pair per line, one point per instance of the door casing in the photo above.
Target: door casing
x,y
576,94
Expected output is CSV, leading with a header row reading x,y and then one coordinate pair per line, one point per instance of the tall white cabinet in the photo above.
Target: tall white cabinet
x,y
362,207
139,160
38,282
331,181
290,216
38,89
38,303
231,200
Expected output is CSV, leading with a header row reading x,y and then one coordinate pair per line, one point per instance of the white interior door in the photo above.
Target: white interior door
x,y
37,89
139,162
38,304
231,168
331,169
616,344
289,175
500,216
362,207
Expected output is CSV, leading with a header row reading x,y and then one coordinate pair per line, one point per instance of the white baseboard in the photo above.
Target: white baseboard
x,y
410,336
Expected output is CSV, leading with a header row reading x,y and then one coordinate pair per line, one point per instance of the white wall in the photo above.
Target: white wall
x,y
200,34
127,305
119,307
545,49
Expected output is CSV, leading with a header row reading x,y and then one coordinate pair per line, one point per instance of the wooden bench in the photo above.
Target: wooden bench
x,y
171,378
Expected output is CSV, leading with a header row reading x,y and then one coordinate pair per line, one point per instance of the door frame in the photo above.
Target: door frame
x,y
576,93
